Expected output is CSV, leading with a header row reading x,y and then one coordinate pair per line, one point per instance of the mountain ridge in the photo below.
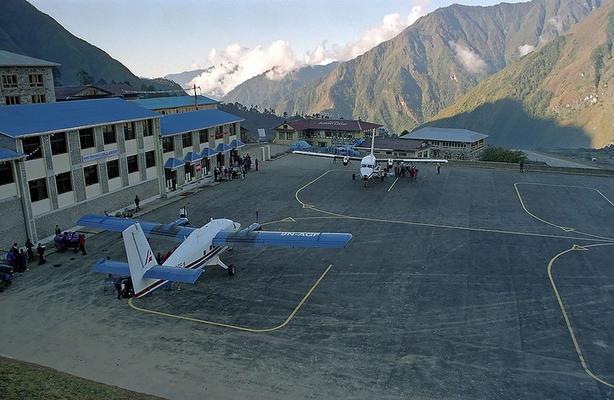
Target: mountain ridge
x,y
405,81
26,30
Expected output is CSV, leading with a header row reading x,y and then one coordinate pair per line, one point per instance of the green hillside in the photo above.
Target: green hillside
x,y
407,80
558,96
26,30
21,381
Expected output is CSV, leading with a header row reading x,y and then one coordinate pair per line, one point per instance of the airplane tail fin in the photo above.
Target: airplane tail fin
x,y
140,258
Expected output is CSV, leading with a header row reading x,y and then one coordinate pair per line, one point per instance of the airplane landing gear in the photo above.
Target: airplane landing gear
x,y
365,183
231,270
382,177
353,177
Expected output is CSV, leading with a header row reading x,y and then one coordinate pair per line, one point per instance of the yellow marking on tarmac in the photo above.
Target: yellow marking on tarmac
x,y
393,183
442,226
238,327
564,228
565,315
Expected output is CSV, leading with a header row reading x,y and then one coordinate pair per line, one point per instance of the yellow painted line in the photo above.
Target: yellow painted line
x,y
566,316
442,226
564,228
237,327
393,183
307,184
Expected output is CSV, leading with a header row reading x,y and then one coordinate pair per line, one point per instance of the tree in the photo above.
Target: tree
x,y
85,78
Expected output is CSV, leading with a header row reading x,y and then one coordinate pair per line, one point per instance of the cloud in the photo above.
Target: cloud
x,y
236,64
525,49
470,60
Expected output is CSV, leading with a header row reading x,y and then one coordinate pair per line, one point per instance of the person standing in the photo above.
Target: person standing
x,y
137,201
82,244
15,249
41,254
29,246
256,163
58,231
438,168
521,165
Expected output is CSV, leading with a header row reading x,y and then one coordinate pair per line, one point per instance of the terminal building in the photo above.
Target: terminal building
x,y
178,104
396,148
451,144
60,156
25,79
324,132
193,143
59,160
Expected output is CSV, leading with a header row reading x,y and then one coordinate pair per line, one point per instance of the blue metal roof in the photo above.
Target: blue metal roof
x,y
8,154
175,124
207,152
192,157
173,163
236,143
222,147
158,103
29,119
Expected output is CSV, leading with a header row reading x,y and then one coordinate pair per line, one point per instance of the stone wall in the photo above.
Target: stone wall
x,y
23,89
13,224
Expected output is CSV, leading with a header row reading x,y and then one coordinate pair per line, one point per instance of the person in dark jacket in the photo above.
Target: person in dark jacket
x,y
41,254
29,247
82,244
137,201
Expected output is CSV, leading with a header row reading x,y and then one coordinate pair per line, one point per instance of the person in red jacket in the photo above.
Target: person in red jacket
x,y
82,244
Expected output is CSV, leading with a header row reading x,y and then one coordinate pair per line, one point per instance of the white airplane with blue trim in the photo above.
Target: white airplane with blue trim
x,y
370,165
199,248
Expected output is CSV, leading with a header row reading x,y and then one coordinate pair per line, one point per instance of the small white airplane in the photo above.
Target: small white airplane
x,y
199,248
370,165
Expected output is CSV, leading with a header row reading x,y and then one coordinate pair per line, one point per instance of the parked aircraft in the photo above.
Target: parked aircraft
x,y
370,166
199,248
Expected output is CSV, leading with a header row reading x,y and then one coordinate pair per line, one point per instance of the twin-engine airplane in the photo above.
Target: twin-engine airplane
x,y
199,248
369,164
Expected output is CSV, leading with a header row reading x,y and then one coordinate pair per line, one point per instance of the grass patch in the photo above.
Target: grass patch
x,y
21,380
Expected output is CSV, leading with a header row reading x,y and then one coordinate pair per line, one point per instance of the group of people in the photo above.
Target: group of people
x,y
19,258
239,167
406,170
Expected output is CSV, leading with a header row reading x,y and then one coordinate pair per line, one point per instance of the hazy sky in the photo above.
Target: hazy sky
x,y
157,37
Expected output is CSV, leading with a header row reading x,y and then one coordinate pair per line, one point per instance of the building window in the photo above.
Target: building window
x,y
219,132
58,143
32,147
6,173
9,81
203,136
113,169
133,164
39,98
108,132
150,159
86,137
10,100
148,128
167,144
38,189
186,139
129,131
63,182
91,175
36,80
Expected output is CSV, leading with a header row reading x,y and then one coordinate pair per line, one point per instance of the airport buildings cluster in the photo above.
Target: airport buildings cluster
x,y
57,156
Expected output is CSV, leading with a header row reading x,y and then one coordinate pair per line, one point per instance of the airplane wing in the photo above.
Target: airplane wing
x,y
111,267
413,160
175,230
282,239
325,155
162,272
